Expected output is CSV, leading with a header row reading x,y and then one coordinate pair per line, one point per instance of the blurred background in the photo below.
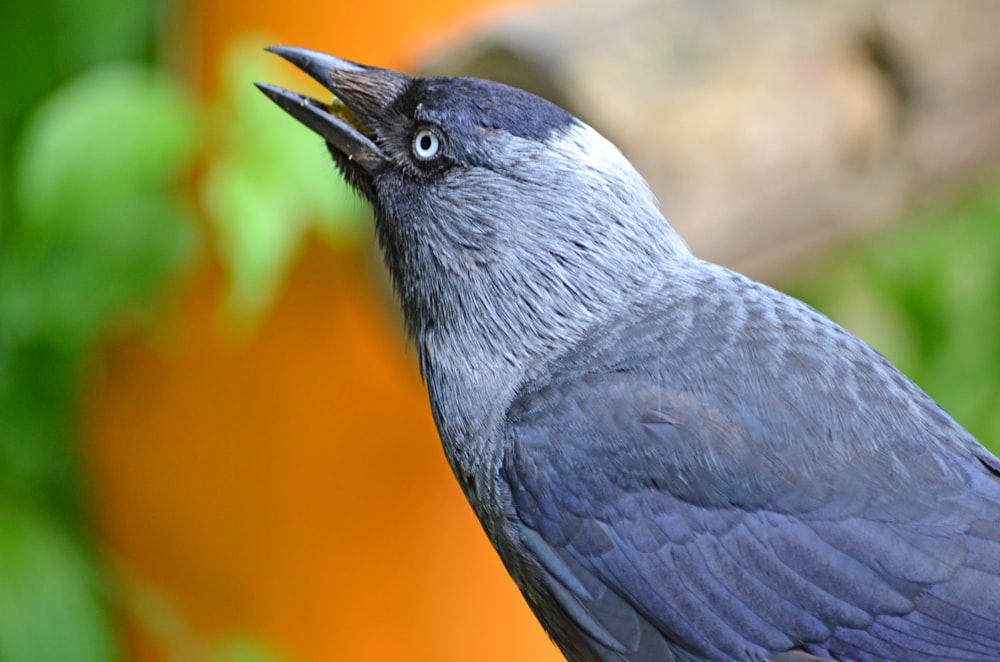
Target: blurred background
x,y
214,443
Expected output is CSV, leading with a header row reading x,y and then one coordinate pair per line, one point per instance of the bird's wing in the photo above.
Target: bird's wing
x,y
735,508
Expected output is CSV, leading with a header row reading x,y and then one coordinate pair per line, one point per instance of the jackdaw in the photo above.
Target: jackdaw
x,y
673,461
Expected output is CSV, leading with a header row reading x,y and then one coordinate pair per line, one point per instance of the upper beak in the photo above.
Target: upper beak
x,y
362,95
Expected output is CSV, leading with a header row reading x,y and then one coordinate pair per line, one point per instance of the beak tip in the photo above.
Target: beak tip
x,y
282,51
273,92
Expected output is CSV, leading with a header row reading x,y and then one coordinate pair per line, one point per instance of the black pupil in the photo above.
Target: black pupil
x,y
425,142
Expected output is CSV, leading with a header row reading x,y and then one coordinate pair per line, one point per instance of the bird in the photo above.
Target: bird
x,y
673,461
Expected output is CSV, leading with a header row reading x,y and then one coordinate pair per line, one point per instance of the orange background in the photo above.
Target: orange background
x,y
288,486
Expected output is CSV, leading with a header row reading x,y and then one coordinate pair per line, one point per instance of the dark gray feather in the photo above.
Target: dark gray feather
x,y
757,483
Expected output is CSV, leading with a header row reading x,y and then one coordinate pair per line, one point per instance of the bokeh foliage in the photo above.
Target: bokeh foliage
x,y
268,183
89,229
97,146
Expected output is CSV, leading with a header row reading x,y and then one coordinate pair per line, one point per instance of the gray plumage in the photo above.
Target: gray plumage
x,y
673,461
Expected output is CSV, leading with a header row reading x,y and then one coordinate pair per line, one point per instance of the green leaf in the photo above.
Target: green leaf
x,y
50,607
272,181
113,131
101,225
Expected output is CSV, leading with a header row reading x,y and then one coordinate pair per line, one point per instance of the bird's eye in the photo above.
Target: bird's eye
x,y
426,144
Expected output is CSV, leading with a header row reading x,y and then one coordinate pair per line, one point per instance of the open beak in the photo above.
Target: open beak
x,y
361,96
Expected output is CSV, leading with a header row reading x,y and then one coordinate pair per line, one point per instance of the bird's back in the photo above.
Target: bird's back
x,y
723,473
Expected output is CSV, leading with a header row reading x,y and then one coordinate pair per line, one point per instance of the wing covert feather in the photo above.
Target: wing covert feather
x,y
618,479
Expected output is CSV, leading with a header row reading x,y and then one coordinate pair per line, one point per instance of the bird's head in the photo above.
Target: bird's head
x,y
504,220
